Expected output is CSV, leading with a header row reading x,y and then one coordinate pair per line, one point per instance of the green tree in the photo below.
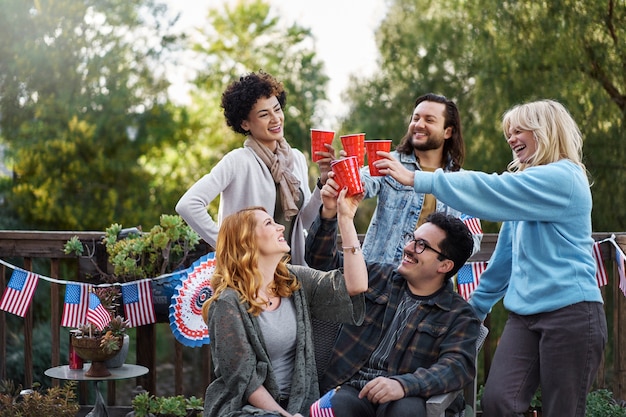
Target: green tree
x,y
81,103
247,37
235,40
489,55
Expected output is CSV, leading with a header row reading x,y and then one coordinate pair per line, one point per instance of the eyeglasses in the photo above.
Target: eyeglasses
x,y
419,245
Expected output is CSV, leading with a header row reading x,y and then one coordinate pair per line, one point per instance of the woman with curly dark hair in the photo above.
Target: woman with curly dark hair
x,y
266,172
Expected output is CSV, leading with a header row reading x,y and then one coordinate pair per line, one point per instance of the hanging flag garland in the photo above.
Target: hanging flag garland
x,y
185,310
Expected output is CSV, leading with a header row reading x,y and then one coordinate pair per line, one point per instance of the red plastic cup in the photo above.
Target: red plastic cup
x,y
319,138
347,174
354,145
373,146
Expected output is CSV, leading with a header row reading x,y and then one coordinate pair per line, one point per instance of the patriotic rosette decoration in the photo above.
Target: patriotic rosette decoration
x,y
186,308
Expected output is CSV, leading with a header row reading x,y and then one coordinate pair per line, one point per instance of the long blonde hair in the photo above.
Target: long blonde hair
x,y
554,129
236,263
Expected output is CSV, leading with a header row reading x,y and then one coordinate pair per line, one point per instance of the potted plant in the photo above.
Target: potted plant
x,y
146,405
96,345
134,255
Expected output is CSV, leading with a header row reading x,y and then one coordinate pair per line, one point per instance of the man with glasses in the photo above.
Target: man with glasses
x,y
418,338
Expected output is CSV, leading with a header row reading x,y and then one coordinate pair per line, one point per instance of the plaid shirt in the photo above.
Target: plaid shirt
x,y
436,351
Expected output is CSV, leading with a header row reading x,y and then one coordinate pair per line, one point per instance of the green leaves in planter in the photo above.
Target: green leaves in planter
x,y
600,403
145,404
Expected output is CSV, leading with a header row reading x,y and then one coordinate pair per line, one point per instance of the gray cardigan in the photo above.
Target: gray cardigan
x,y
242,179
240,359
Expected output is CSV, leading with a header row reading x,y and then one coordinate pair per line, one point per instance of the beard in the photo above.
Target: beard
x,y
435,141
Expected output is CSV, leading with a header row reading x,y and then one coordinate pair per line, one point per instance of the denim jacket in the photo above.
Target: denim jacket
x,y
396,215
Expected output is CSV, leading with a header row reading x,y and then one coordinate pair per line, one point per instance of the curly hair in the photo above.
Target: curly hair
x,y
454,148
240,96
458,243
236,263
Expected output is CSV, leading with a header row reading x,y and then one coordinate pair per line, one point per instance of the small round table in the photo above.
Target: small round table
x,y
125,371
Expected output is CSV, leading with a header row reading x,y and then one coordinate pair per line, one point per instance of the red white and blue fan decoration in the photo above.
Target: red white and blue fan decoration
x,y
186,307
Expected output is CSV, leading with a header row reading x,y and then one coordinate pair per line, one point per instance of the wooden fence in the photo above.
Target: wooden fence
x,y
23,248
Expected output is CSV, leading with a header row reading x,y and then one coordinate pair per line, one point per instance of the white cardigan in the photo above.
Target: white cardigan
x,y
242,180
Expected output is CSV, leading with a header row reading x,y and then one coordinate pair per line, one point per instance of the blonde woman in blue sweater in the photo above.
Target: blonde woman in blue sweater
x,y
542,264
265,172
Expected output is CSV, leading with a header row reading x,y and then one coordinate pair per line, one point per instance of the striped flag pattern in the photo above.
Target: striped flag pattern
x,y
619,258
472,223
76,304
19,293
468,277
601,275
322,407
138,303
96,313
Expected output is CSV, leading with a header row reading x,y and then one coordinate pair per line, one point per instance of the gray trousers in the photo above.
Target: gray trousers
x,y
560,350
346,403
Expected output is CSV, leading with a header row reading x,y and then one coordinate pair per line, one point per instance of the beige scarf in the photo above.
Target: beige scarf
x,y
281,167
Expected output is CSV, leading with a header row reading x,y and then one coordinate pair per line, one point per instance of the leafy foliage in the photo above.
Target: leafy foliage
x,y
52,402
237,39
600,403
489,55
145,404
79,97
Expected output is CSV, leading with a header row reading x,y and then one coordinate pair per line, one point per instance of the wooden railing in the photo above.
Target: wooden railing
x,y
23,248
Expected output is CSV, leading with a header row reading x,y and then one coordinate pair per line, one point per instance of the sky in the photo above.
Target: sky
x,y
344,32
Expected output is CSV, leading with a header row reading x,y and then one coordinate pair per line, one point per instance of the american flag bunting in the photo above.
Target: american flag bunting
x,y
19,293
468,277
601,275
76,304
138,303
96,313
619,258
472,223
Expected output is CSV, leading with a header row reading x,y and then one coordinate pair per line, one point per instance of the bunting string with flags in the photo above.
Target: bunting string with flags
x,y
468,277
620,258
19,293
472,223
76,304
601,275
139,303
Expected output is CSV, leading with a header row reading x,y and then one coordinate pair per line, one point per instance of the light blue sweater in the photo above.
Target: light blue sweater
x,y
543,258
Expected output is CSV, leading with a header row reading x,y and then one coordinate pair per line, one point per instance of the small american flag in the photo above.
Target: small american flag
x,y
322,407
472,223
96,313
601,275
138,303
76,304
468,277
619,258
19,293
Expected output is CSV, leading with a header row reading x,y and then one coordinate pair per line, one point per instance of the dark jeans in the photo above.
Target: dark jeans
x,y
346,403
561,350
